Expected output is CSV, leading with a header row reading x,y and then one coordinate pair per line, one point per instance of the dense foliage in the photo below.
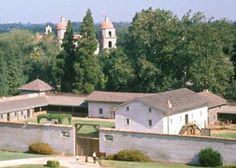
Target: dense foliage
x,y
53,164
129,155
210,158
40,148
157,51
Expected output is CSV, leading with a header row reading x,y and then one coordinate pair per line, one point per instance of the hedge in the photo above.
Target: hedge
x,y
58,117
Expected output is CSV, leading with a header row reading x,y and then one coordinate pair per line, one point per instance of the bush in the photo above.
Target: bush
x,y
209,157
59,117
53,163
129,155
228,166
40,148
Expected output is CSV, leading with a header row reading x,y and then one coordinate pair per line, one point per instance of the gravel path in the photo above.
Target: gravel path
x,y
67,161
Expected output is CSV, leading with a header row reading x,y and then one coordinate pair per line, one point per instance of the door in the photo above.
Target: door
x,y
8,116
186,119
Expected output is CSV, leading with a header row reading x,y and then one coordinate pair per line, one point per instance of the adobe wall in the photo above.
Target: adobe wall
x,y
163,147
17,137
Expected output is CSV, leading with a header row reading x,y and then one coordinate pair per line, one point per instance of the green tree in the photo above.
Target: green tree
x,y
168,52
3,73
117,70
88,74
65,61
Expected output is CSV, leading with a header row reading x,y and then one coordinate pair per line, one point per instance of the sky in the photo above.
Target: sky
x,y
43,11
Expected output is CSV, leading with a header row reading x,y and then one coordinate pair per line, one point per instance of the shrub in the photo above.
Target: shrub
x,y
59,117
129,155
210,157
53,163
40,148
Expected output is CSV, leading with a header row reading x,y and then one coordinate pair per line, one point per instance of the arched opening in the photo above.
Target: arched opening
x,y
109,44
109,33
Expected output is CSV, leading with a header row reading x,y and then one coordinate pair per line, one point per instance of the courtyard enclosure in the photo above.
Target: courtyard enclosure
x,y
163,147
60,138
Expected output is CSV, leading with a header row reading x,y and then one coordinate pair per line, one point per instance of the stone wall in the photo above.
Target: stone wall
x,y
17,137
163,147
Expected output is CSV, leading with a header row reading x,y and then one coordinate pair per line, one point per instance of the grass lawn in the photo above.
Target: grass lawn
x,y
16,155
90,130
224,134
123,164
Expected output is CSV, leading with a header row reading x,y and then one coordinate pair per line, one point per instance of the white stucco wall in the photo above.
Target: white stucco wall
x,y
139,117
106,38
176,121
93,109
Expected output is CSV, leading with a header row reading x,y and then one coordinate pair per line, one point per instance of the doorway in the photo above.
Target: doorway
x,y
186,119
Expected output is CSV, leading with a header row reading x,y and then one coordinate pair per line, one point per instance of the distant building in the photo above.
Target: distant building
x,y
36,86
101,104
48,30
108,34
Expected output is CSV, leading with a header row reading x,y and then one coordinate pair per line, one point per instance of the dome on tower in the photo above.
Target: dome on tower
x,y
62,24
106,24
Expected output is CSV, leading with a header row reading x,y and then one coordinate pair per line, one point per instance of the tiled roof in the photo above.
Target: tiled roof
x,y
115,97
213,100
22,104
36,85
65,99
174,101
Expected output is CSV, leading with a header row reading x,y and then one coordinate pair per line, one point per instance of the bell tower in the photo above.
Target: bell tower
x,y
108,35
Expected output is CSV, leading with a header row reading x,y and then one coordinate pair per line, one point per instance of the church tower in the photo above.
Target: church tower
x,y
108,34
61,29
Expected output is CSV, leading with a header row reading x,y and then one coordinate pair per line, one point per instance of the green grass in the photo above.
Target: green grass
x,y
224,134
90,130
123,164
16,155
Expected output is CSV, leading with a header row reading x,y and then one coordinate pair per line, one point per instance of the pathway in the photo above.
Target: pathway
x,y
67,161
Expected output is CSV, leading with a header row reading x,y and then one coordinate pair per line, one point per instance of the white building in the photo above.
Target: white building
x,y
108,34
101,104
165,112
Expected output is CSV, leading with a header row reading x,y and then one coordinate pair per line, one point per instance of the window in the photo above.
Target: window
x,y
28,113
108,137
171,121
22,113
127,122
100,111
1,116
192,115
109,44
200,113
180,118
65,134
127,108
150,109
150,122
15,113
109,33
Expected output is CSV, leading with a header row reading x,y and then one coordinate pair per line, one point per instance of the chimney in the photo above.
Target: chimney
x,y
169,104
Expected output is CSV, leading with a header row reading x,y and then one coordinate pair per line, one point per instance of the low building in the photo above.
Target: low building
x,y
165,112
36,86
101,104
216,105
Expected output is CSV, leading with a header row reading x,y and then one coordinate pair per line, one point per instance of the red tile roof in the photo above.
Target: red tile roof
x,y
36,85
115,97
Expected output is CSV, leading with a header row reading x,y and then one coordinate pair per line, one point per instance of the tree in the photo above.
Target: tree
x,y
117,70
65,61
88,74
167,52
3,73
